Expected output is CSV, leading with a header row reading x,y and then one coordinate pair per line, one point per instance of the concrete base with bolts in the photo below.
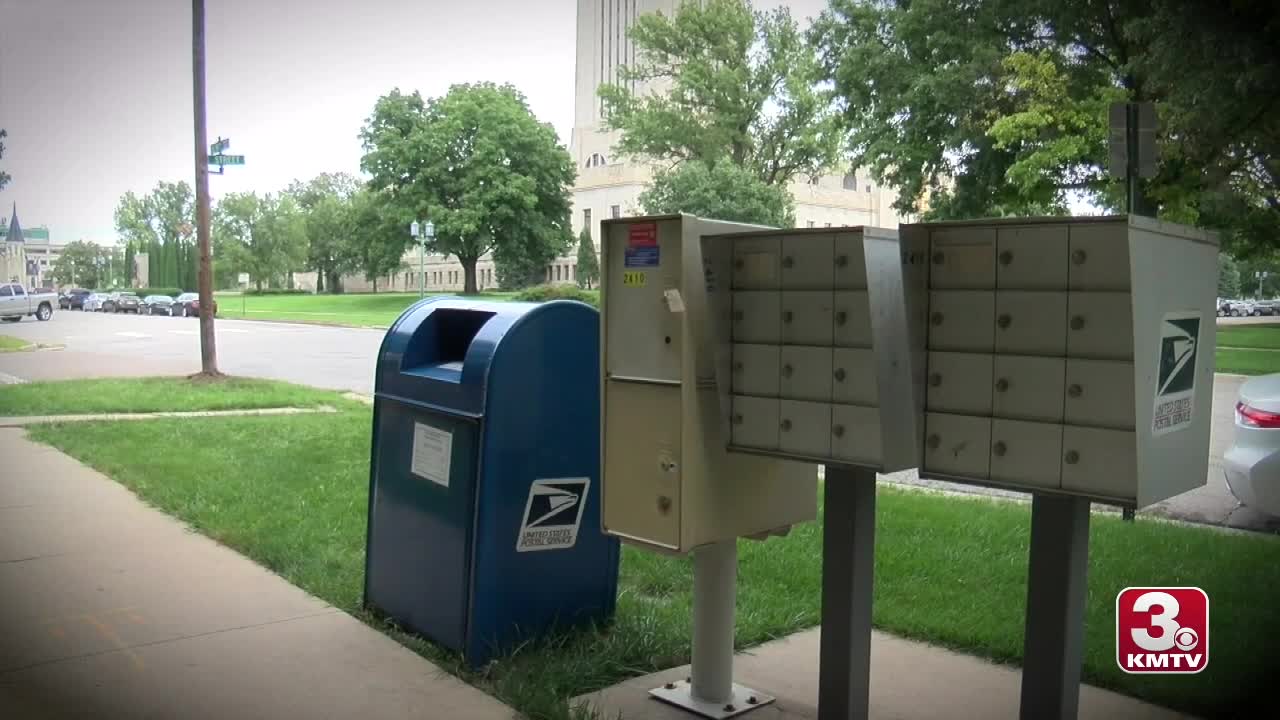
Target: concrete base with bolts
x,y
742,700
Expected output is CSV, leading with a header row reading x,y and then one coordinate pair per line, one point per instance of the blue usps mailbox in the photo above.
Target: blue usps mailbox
x,y
484,495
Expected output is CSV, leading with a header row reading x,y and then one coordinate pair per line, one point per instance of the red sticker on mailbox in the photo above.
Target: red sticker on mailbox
x,y
642,235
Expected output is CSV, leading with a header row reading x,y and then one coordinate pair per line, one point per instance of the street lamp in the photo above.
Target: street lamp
x,y
423,234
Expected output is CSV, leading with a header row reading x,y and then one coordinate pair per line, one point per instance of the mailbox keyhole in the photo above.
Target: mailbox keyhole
x,y
935,379
1078,257
788,262
1072,457
1004,321
737,315
841,316
934,441
1075,391
1002,384
785,425
1077,322
739,264
786,316
842,260
999,448
839,374
786,370
837,430
1006,257
737,367
664,504
936,318
737,418
939,258
667,340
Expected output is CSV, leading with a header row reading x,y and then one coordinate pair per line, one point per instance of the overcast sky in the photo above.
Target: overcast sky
x,y
96,94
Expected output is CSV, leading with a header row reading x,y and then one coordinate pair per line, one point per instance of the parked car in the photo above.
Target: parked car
x,y
126,302
1266,307
188,305
73,299
108,302
1252,463
157,305
93,302
1235,308
16,303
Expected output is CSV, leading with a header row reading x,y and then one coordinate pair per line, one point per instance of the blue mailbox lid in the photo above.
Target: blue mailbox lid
x,y
437,354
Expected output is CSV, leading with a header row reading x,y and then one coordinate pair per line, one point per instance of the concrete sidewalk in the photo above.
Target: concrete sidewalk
x,y
909,681
110,609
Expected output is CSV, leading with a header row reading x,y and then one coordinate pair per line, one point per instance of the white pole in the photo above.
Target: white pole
x,y
422,268
715,578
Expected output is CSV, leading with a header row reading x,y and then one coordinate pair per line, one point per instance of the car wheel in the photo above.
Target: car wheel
x,y
44,313
1257,313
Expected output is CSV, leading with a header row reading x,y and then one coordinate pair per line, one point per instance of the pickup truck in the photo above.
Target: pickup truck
x,y
16,303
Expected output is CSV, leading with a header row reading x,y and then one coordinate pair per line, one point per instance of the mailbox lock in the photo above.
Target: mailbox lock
x,y
999,449
737,418
786,316
737,315
934,441
1077,322
737,366
1006,257
1078,257
841,316
1002,384
739,264
837,430
842,260
787,370
664,504
785,425
839,374
936,318
935,379
1004,321
939,258
788,262
1075,391
1072,457
667,464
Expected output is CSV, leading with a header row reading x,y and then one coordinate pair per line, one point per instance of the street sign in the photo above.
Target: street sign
x,y
219,159
219,146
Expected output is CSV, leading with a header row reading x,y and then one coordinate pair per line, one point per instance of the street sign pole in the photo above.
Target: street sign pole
x,y
208,351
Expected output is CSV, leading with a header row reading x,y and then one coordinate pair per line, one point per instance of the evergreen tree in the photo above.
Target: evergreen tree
x,y
588,269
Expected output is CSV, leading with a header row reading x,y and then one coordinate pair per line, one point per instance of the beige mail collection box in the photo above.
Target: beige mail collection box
x,y
819,344
668,481
1070,355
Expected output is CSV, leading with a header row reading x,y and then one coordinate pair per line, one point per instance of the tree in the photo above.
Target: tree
x,y
161,224
995,107
723,192
378,234
83,264
265,237
480,166
587,268
4,176
326,204
1228,276
739,86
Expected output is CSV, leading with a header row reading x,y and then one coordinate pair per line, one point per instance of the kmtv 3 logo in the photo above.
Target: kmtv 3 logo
x,y
553,514
1162,630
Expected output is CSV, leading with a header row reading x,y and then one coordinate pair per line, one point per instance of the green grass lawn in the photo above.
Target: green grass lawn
x,y
159,394
1247,362
9,343
1250,336
372,310
948,570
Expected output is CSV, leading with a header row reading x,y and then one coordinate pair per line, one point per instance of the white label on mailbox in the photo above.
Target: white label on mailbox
x,y
1176,373
432,451
553,514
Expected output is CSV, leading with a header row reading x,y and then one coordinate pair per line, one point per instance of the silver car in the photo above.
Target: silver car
x,y
1253,460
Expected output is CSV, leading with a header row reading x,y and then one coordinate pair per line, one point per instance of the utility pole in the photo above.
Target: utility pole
x,y
208,351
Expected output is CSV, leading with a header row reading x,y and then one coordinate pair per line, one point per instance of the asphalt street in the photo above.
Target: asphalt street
x,y
108,345
97,345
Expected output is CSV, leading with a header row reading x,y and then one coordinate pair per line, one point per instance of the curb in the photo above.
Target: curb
x,y
16,422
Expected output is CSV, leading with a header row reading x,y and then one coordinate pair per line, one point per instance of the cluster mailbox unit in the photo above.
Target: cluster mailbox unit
x,y
1067,357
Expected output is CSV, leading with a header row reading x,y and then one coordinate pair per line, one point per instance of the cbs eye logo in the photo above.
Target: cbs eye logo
x,y
1162,630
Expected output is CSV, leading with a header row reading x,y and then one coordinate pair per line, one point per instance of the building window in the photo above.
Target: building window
x,y
868,187
812,223
615,211
813,180
828,224
596,160
586,219
850,182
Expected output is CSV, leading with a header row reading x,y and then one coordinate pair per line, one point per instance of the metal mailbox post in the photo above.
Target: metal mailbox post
x,y
670,485
484,493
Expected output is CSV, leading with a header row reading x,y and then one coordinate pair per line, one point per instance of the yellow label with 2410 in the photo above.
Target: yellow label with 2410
x,y
633,279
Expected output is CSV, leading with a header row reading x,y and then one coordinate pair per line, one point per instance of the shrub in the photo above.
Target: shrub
x,y
170,291
278,291
543,293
